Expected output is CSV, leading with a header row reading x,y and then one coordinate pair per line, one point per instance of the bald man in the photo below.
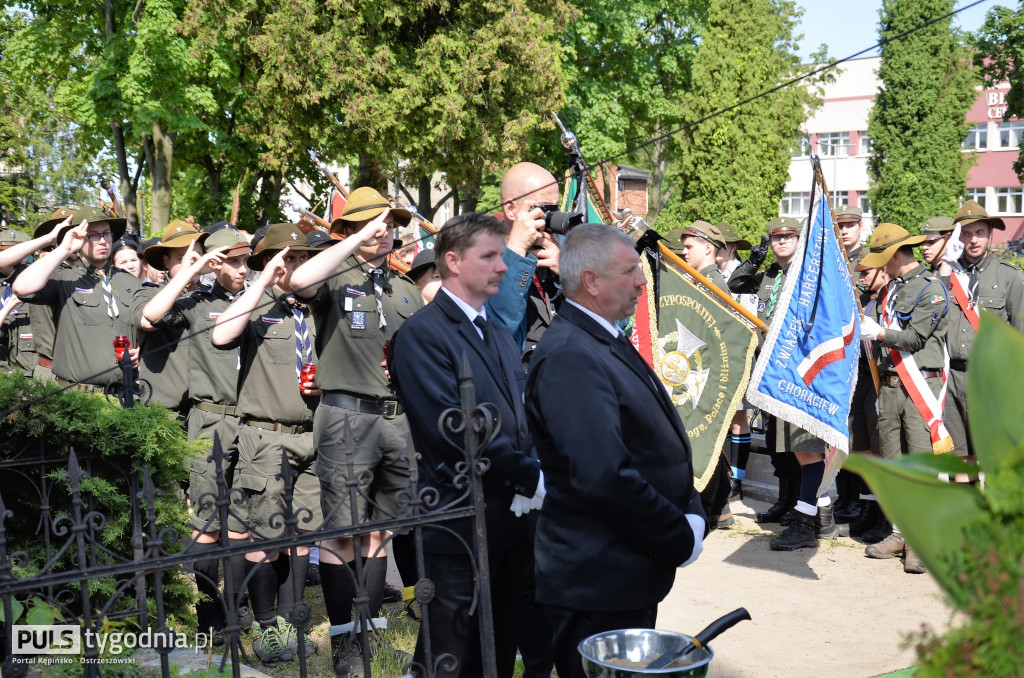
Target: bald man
x,y
529,294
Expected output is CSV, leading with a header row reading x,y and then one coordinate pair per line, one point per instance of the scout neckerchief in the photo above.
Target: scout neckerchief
x,y
379,283
108,294
774,298
303,345
930,406
965,289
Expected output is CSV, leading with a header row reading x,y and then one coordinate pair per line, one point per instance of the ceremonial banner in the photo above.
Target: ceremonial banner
x,y
807,368
702,352
591,214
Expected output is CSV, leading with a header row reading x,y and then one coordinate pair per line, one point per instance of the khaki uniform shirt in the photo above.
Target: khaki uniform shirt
x,y
212,373
919,302
17,348
746,279
163,355
83,349
1000,291
349,338
715,276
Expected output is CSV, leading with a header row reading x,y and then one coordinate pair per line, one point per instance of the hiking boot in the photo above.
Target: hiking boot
x,y
291,638
736,489
889,547
348,660
799,535
268,642
911,563
824,523
789,518
788,492
312,575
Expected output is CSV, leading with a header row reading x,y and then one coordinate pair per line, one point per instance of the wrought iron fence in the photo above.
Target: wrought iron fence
x,y
67,555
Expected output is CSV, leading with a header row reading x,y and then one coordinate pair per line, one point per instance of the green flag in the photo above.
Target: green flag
x,y
591,214
702,353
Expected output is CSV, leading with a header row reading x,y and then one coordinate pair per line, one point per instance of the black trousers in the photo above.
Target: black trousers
x,y
572,626
453,631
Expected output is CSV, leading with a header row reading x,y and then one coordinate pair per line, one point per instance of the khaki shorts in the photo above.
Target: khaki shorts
x,y
202,486
259,474
382,454
901,428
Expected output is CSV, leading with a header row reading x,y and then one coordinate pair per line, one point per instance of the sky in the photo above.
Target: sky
x,y
847,31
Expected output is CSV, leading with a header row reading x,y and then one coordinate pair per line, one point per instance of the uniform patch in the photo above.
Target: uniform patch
x,y
761,306
357,320
84,290
272,321
936,299
214,315
25,336
355,293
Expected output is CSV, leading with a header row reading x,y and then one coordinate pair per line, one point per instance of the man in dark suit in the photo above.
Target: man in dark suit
x,y
621,513
426,360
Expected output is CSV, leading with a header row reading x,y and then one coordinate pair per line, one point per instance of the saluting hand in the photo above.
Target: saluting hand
x,y
275,270
376,229
205,263
759,253
74,240
51,237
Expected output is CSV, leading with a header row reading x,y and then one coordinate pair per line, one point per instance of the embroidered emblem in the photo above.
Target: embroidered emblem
x,y
936,299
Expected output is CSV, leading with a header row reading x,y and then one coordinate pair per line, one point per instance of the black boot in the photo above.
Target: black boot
x,y
847,507
825,524
878,532
787,500
799,535
869,515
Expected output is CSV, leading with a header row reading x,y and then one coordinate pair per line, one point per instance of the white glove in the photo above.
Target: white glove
x,y
954,248
520,505
697,525
869,329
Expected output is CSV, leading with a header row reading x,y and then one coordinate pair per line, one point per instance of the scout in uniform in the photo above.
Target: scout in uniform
x,y
213,390
941,238
982,281
800,474
849,219
17,351
908,325
164,350
90,306
358,305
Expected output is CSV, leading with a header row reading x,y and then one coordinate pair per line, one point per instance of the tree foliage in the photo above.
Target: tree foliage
x,y
918,120
999,55
733,166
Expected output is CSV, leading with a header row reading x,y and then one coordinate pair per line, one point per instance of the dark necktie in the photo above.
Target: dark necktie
x,y
485,329
972,284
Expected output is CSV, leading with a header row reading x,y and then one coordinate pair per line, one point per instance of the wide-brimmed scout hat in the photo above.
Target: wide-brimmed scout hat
x,y
423,261
706,231
177,234
228,237
938,226
674,240
92,215
277,238
731,236
366,203
884,242
59,215
849,213
971,212
9,237
783,225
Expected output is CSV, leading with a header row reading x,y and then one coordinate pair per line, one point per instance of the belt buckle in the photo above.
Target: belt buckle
x,y
390,409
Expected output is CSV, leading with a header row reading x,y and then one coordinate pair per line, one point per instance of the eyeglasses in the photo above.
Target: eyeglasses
x,y
97,237
784,237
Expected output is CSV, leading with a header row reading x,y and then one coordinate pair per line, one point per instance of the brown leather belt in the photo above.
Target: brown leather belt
x,y
892,380
45,362
206,406
279,428
389,409
84,388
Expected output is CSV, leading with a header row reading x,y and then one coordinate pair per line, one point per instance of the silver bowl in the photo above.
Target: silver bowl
x,y
640,646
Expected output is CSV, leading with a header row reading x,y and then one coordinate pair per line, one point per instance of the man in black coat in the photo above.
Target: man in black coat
x,y
621,513
425,365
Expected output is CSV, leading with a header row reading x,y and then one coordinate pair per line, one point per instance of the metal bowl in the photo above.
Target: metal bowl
x,y
641,646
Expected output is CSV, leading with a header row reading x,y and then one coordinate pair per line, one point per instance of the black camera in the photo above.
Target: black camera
x,y
557,222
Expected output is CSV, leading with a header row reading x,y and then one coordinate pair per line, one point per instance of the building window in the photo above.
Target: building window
x,y
795,204
802,148
1009,200
865,206
977,195
1010,134
977,138
834,144
867,144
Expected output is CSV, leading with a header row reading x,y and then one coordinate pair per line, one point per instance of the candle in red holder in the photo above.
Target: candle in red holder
x,y
306,376
121,344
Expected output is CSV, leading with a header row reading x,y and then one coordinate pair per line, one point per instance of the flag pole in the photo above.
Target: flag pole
x,y
722,296
820,178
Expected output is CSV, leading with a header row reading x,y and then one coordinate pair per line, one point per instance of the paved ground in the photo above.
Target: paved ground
x,y
830,611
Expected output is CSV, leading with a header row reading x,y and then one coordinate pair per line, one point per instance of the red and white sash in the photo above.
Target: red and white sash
x,y
962,298
930,406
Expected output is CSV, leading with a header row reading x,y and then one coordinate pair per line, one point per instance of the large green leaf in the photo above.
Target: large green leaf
x,y
16,610
39,613
931,514
993,382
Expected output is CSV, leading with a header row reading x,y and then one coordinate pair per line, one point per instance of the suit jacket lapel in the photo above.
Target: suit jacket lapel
x,y
471,336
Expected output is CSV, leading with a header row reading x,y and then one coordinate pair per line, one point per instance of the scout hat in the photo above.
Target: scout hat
x,y
850,212
9,236
709,232
366,203
886,239
731,236
674,240
127,240
938,226
226,237
177,234
277,238
58,216
421,263
971,212
320,240
784,225
92,215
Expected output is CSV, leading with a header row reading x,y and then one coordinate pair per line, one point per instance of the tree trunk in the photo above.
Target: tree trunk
x,y
658,159
270,197
470,195
424,202
370,173
161,173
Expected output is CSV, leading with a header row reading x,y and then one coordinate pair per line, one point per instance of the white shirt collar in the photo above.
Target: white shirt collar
x,y
612,328
470,312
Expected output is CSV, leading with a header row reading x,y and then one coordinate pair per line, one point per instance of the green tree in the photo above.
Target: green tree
x,y
918,120
734,166
999,55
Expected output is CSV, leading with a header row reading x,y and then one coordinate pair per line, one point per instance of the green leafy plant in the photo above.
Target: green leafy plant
x,y
970,537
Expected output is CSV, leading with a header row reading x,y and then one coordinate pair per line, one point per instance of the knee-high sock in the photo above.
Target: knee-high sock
x,y
741,452
210,611
810,479
262,591
375,570
236,564
339,588
403,550
290,577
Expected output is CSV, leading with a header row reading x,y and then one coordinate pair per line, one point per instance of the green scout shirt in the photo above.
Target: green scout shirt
x,y
212,373
269,384
349,339
1000,291
17,350
715,276
83,347
163,355
41,317
919,302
